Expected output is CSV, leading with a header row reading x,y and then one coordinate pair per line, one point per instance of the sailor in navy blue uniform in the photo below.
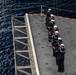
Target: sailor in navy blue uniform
x,y
60,58
56,35
50,33
48,25
48,13
52,16
59,42
55,46
52,22
55,41
48,19
56,28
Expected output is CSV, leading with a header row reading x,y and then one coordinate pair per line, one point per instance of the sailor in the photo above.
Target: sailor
x,y
55,41
60,58
52,16
55,46
59,40
52,22
56,28
56,35
48,19
50,34
48,25
48,13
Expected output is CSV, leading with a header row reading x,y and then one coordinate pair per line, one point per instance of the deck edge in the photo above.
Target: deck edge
x,y
32,44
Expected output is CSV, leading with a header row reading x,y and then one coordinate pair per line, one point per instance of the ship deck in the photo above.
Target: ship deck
x,y
46,61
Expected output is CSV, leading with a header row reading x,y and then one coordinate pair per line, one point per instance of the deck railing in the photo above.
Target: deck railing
x,y
58,11
24,51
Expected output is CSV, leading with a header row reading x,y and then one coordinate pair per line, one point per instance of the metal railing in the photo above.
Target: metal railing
x,y
59,12
24,51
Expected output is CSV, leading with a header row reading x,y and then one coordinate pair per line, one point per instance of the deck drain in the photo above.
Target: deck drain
x,y
36,23
46,63
74,44
38,33
63,21
38,26
42,47
69,32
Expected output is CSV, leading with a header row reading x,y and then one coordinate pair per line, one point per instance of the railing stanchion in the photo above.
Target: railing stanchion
x,y
41,10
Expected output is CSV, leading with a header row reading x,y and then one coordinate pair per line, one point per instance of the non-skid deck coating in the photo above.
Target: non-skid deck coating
x,y
46,61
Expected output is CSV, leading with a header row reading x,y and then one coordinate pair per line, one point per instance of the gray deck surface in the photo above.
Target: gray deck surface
x,y
46,61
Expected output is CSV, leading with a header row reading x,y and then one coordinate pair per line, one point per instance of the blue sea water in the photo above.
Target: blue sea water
x,y
20,7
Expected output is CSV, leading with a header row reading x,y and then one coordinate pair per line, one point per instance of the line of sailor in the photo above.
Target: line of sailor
x,y
56,40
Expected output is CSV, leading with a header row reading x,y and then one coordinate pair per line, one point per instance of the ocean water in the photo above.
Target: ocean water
x,y
20,7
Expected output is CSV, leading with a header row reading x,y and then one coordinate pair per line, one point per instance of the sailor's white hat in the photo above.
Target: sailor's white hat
x,y
52,20
49,9
61,44
55,26
56,32
52,15
59,38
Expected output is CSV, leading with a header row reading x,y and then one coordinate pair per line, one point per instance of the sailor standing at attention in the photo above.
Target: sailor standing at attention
x,y
56,35
48,13
48,19
55,28
55,41
60,58
52,22
58,42
50,33
55,47
52,16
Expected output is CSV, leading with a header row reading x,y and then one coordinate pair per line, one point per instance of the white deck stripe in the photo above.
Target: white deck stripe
x,y
32,44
